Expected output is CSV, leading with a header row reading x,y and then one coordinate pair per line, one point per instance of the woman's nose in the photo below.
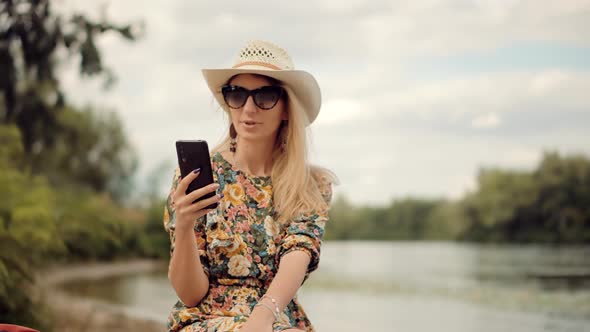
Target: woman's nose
x,y
250,106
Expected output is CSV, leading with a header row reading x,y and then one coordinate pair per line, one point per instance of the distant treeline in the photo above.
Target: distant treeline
x,y
550,204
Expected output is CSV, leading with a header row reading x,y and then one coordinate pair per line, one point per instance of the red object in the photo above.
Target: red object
x,y
15,328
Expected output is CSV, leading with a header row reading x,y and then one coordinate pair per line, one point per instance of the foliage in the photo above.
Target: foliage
x,y
33,41
28,230
548,205
63,170
40,224
91,226
153,240
492,208
402,220
551,204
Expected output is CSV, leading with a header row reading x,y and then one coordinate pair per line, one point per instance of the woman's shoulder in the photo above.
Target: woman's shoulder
x,y
217,157
219,162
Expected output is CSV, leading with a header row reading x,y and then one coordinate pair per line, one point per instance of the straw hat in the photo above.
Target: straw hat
x,y
265,58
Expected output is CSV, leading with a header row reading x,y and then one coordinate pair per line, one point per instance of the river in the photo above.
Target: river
x,y
412,286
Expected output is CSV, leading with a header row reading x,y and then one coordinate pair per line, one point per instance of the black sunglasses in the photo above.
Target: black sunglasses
x,y
265,97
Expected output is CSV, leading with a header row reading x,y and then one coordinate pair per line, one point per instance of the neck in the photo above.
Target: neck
x,y
254,157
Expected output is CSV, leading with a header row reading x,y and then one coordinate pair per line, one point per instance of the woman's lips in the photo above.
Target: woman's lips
x,y
250,124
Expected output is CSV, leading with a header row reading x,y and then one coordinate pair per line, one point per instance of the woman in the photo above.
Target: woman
x,y
263,239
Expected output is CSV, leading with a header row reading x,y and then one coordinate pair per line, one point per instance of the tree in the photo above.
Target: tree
x,y
28,230
32,37
549,205
493,208
563,200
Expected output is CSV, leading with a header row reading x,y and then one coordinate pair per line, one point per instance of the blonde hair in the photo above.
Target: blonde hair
x,y
297,185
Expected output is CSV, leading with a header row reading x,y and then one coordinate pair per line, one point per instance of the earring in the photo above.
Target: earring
x,y
233,134
284,137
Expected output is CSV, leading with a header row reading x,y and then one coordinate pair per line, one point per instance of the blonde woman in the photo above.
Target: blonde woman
x,y
261,242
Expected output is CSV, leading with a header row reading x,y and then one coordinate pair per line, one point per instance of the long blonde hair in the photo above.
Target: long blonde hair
x,y
296,183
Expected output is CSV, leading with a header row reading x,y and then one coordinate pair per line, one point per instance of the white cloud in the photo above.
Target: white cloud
x,y
489,93
385,133
445,27
337,110
489,120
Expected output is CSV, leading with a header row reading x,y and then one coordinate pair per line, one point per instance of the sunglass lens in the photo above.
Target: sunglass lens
x,y
235,97
267,97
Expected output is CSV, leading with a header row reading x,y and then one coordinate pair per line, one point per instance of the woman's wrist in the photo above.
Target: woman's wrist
x,y
185,231
263,313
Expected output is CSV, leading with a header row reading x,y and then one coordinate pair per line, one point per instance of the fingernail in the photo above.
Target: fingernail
x,y
221,195
197,170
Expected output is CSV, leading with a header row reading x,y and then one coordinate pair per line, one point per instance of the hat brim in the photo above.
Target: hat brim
x,y
302,88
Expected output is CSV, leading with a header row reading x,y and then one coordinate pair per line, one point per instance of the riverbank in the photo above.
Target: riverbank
x,y
73,314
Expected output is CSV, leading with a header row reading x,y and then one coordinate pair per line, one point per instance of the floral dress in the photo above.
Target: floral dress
x,y
240,245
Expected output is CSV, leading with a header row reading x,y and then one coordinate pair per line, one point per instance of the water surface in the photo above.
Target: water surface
x,y
413,286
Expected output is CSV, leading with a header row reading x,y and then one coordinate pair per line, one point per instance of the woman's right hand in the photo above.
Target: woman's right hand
x,y
187,212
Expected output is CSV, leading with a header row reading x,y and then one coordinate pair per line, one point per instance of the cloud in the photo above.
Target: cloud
x,y
336,110
490,120
387,131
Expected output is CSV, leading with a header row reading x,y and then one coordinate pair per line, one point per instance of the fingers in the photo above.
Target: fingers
x,y
186,181
204,203
201,213
201,192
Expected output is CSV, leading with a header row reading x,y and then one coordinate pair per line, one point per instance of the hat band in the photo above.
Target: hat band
x,y
256,63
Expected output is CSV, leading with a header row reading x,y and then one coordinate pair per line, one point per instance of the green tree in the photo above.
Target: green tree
x,y
40,223
91,149
28,232
493,207
407,218
549,205
446,221
32,38
56,161
153,241
562,206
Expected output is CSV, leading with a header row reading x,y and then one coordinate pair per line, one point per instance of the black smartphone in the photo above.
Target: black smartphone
x,y
193,155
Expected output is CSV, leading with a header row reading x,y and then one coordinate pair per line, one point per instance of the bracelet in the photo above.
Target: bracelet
x,y
269,308
278,312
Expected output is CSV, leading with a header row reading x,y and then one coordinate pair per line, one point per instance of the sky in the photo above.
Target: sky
x,y
417,96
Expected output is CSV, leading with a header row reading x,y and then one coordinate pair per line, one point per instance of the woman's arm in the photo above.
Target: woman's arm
x,y
299,253
289,277
187,273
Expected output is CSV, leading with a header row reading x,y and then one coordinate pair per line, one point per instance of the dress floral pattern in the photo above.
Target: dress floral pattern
x,y
240,245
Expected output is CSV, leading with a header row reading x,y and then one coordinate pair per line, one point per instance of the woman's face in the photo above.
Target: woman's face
x,y
267,122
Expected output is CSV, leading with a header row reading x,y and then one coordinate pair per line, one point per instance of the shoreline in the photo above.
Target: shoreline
x,y
72,313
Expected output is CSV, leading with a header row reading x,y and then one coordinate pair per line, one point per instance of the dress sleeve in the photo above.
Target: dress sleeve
x,y
305,232
169,225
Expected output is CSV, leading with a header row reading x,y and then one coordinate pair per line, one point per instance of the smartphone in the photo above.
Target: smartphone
x,y
193,155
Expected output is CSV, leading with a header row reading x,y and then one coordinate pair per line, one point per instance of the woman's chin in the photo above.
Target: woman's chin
x,y
253,137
